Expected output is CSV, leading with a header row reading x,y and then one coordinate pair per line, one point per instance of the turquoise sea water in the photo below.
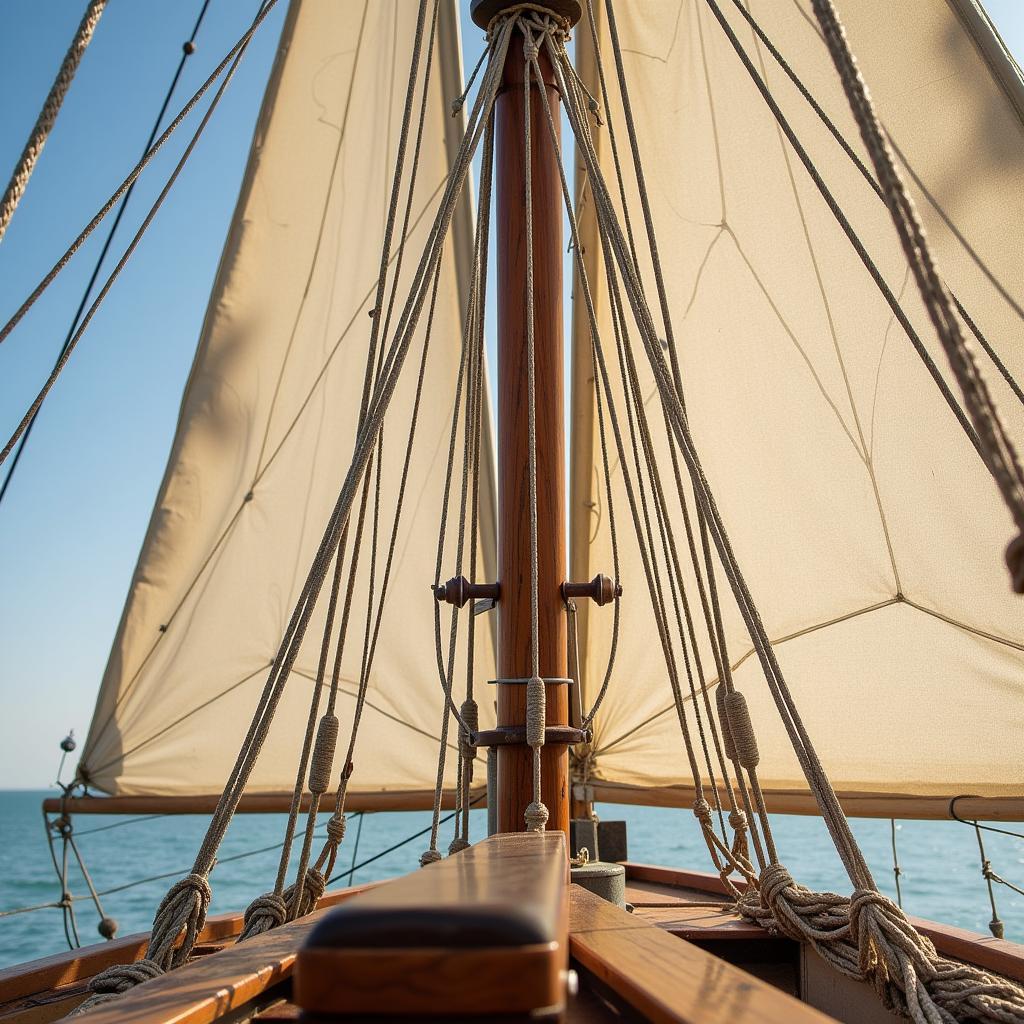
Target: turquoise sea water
x,y
941,875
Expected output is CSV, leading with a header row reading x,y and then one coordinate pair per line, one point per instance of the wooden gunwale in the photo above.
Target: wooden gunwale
x,y
854,804
669,980
72,969
42,990
999,955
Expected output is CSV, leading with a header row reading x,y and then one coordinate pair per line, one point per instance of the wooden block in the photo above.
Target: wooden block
x,y
480,932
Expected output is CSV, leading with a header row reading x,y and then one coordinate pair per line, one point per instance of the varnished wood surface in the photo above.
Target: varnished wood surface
x,y
253,803
439,982
483,931
658,894
515,772
204,990
667,979
45,989
999,955
856,805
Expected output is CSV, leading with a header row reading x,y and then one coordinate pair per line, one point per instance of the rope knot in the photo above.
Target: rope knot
x,y
457,105
302,898
702,812
530,49
182,910
457,845
264,913
738,820
775,880
117,980
429,857
872,903
536,817
336,826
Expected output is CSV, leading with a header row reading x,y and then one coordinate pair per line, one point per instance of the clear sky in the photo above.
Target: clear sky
x,y
74,518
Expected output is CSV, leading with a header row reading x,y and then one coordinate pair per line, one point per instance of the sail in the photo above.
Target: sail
x,y
266,434
867,527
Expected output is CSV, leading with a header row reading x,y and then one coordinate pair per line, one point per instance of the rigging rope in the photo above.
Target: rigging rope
x,y
181,915
998,449
865,936
188,48
233,59
48,115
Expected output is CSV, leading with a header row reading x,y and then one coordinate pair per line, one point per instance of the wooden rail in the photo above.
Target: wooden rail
x,y
666,979
480,932
253,803
855,805
48,988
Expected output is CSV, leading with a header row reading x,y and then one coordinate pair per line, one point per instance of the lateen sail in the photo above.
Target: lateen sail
x,y
870,533
266,433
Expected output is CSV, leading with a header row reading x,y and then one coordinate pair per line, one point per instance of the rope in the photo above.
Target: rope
x,y
184,909
876,188
865,936
998,449
188,48
897,871
48,115
234,58
536,815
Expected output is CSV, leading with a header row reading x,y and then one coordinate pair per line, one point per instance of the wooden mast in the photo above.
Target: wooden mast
x,y
514,554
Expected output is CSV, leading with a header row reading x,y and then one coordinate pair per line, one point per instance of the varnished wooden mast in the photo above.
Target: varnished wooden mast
x,y
514,556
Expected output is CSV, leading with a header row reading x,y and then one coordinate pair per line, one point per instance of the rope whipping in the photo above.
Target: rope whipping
x,y
48,115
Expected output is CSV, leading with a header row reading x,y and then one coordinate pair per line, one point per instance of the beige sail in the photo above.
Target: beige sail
x,y
869,531
266,434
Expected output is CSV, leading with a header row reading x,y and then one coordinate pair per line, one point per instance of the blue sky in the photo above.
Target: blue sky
x,y
73,520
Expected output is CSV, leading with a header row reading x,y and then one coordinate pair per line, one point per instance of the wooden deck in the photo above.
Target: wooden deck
x,y
681,956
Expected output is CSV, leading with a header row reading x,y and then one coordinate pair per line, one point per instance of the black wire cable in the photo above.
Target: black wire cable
x,y
398,846
187,49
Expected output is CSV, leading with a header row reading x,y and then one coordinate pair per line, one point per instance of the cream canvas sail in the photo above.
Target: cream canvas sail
x,y
267,428
868,529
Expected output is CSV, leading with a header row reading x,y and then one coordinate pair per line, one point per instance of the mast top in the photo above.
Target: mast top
x,y
483,12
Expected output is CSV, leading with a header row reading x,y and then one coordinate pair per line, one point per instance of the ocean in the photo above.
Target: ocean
x,y
941,877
